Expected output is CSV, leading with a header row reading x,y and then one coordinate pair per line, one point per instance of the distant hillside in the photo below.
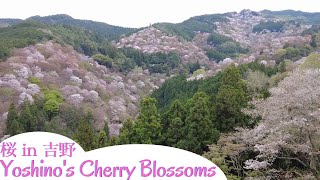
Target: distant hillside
x,y
306,17
21,35
30,32
152,40
34,71
108,31
8,22
187,29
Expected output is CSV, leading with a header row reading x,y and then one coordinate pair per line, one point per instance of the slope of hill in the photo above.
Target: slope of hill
x,y
30,32
8,22
263,45
241,28
107,31
238,28
33,71
21,35
153,40
299,16
188,28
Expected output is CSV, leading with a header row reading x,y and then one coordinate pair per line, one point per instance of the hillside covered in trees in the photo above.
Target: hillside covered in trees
x,y
240,89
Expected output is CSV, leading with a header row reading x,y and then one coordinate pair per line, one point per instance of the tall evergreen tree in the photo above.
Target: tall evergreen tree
x,y
106,130
85,135
16,128
126,133
12,115
313,42
102,139
231,97
147,128
27,120
173,122
175,132
13,125
199,127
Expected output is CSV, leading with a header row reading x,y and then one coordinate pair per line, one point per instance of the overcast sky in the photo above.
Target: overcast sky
x,y
139,13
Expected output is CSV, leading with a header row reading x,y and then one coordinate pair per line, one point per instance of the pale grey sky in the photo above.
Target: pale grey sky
x,y
139,13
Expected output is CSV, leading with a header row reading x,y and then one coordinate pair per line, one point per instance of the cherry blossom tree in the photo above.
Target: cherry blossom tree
x,y
290,126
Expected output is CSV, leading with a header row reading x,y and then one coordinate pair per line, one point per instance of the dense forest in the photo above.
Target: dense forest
x,y
223,47
187,29
179,111
86,42
105,30
299,16
270,25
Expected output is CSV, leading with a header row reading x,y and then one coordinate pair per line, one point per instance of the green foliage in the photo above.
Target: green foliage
x,y
106,130
314,29
224,47
193,67
127,59
83,37
52,102
31,118
53,95
70,115
178,88
21,35
103,60
232,78
256,66
51,106
299,16
312,62
70,121
82,40
188,128
227,95
85,134
280,54
6,92
173,123
293,53
269,25
231,98
229,156
27,119
187,29
198,72
199,126
126,133
31,32
257,83
231,48
105,30
10,21
147,128
216,39
35,80
175,132
14,127
102,139
215,55
313,42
